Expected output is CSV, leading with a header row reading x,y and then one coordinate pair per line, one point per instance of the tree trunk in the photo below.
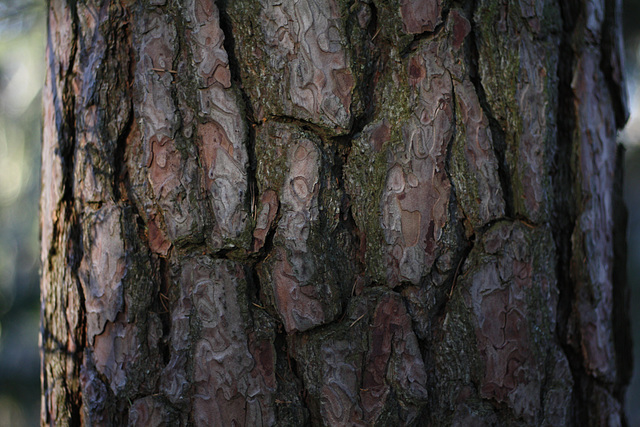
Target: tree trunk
x,y
333,212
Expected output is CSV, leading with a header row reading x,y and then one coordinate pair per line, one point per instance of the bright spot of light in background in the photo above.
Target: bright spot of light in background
x,y
630,135
12,166
22,88
21,78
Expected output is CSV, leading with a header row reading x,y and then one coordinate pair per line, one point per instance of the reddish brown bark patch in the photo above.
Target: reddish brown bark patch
x,y
266,216
461,28
115,350
415,202
419,16
367,368
417,71
158,241
296,52
303,273
149,412
380,136
165,168
207,45
299,308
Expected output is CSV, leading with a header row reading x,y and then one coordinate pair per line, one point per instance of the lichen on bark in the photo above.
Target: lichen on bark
x,y
526,106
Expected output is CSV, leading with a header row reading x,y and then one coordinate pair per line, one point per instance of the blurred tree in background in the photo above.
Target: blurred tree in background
x,y
22,29
631,138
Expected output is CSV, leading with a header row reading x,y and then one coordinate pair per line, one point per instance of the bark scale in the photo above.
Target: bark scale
x,y
333,212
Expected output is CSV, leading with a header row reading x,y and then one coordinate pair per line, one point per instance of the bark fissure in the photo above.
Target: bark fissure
x,y
455,212
67,122
303,124
119,160
563,221
288,362
458,271
163,307
612,62
498,140
226,26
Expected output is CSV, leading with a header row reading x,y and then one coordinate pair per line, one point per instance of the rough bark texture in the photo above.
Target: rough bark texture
x,y
333,212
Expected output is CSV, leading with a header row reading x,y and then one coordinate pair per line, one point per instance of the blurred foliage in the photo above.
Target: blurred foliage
x,y
22,40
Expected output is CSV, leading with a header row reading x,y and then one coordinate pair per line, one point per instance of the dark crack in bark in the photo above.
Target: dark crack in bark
x,y
564,217
497,133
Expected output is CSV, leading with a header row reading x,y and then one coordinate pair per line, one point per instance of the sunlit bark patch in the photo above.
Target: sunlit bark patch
x,y
102,268
116,349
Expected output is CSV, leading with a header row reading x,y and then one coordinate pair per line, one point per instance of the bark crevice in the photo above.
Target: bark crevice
x,y
498,138
162,304
612,62
226,26
120,171
564,216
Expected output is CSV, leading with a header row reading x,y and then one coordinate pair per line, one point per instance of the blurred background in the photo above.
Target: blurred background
x,y
630,137
22,41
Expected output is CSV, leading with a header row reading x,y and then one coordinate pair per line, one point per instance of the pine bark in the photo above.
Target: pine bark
x,y
333,212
